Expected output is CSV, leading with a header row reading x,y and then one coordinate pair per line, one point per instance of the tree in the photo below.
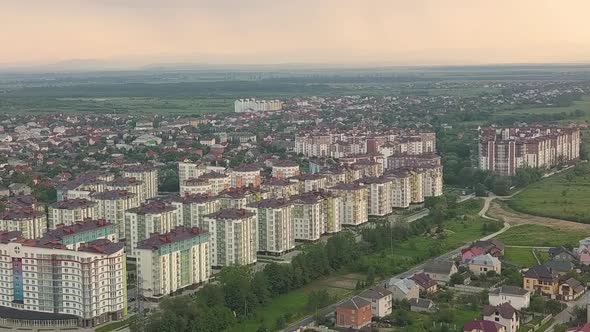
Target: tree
x,y
401,318
501,186
318,299
456,279
480,190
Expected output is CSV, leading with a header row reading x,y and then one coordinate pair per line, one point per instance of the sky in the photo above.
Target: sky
x,y
393,32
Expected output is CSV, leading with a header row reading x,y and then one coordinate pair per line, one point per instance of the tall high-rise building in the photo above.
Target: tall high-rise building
x,y
172,261
276,230
233,237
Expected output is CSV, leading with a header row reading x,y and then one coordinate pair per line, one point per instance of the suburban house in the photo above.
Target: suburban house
x,y
560,267
562,254
504,314
440,271
570,289
492,247
483,326
354,313
381,301
484,263
518,298
425,283
403,289
540,279
468,254
422,305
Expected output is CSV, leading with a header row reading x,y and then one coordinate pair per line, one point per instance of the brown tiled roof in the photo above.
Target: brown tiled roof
x,y
76,203
82,226
20,214
505,310
180,233
152,207
272,203
113,195
231,214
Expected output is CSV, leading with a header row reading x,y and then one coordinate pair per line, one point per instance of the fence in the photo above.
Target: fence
x,y
39,323
467,289
541,323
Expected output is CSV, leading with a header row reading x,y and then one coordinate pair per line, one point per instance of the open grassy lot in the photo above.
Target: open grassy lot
x,y
422,322
524,256
542,236
563,196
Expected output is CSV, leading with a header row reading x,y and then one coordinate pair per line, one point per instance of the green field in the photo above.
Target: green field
x,y
422,322
542,236
582,105
524,256
558,197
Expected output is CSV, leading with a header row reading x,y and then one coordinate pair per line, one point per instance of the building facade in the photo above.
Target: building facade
x,y
69,211
233,237
276,229
172,261
152,217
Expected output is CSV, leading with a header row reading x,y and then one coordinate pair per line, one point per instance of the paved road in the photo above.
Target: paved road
x,y
566,315
418,268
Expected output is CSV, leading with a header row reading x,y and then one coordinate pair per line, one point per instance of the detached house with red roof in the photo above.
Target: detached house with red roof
x,y
354,313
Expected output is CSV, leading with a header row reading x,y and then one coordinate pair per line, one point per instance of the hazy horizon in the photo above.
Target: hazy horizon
x,y
134,33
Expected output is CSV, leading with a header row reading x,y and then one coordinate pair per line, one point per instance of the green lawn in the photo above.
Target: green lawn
x,y
112,327
542,236
557,197
422,322
524,256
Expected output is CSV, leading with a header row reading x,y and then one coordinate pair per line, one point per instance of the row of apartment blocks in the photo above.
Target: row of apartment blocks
x,y
505,150
255,105
339,145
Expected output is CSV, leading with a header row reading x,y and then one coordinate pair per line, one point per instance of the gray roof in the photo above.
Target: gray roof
x,y
375,293
511,290
404,285
355,303
439,267
421,303
559,266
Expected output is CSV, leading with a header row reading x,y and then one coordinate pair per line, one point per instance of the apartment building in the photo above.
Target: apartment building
x,y
276,229
44,276
504,150
402,193
316,213
147,174
279,188
69,211
283,169
148,218
131,185
355,203
380,195
112,205
196,186
417,186
189,170
256,105
88,230
310,182
233,237
172,261
432,181
192,209
239,198
84,185
246,175
30,222
218,181
405,160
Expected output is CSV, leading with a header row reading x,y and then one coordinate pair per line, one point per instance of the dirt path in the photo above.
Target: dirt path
x,y
514,218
